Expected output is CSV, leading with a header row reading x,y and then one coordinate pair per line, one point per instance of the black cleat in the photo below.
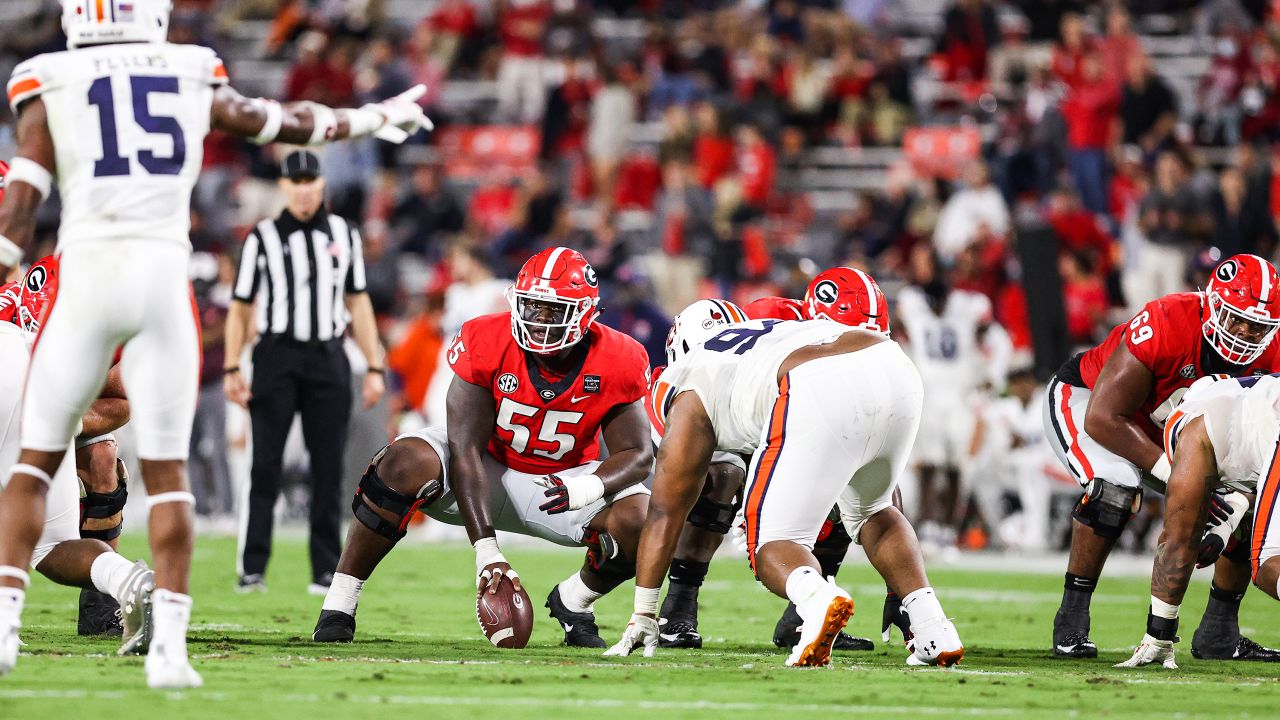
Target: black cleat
x,y
99,615
580,629
787,633
1076,645
254,582
679,633
1245,649
334,626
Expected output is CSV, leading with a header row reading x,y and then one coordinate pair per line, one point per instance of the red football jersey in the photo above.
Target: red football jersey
x,y
1166,337
9,301
774,308
546,424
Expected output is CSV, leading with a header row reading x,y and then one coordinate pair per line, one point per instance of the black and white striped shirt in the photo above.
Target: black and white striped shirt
x,y
299,273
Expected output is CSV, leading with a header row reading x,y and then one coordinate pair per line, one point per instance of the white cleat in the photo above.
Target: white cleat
x,y
9,644
135,610
824,615
935,643
166,673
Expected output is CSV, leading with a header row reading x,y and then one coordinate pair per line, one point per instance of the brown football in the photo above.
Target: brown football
x,y
506,616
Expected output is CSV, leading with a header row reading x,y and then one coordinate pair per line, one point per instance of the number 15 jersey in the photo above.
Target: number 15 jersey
x,y
545,424
128,123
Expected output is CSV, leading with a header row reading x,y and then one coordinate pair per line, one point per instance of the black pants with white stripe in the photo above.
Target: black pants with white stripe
x,y
313,380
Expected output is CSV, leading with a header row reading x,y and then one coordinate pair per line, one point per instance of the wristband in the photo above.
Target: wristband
x,y
1162,620
377,371
647,601
325,122
86,442
231,370
1162,468
271,124
32,173
10,254
487,553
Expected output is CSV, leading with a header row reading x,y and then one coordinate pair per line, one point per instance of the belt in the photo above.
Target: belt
x,y
326,345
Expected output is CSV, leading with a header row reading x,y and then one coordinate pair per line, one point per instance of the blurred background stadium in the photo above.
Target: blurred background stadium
x,y
1068,160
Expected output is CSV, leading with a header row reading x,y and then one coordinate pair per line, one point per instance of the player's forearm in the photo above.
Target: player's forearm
x,y
18,216
657,547
621,470
471,487
1122,436
105,415
1171,573
235,330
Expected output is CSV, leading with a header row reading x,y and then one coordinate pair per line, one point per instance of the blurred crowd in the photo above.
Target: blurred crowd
x,y
674,143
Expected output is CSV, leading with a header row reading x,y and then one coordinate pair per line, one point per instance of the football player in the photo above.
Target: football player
x,y
120,119
537,388
62,554
828,414
1103,416
1223,444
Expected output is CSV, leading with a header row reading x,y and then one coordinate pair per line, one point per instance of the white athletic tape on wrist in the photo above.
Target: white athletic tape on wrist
x,y
274,121
1162,469
589,488
646,602
16,573
1162,609
32,173
178,496
363,121
86,442
326,121
487,553
10,254
31,470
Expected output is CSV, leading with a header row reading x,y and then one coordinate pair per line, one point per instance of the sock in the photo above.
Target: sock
x,y
108,573
11,600
802,584
1223,603
1220,626
686,577
577,597
1078,592
829,560
344,594
922,606
172,614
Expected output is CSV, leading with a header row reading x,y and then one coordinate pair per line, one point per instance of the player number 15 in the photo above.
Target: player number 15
x,y
1142,332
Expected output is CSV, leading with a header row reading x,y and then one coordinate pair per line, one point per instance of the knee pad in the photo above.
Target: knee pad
x,y
106,510
372,490
606,560
1107,508
711,515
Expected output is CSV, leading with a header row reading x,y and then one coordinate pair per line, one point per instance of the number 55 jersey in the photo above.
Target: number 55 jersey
x,y
128,123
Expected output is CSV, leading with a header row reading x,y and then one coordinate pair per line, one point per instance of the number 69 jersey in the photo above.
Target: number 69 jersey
x,y
128,123
547,424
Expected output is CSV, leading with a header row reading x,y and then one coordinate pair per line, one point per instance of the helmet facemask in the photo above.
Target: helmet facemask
x,y
1233,348
543,323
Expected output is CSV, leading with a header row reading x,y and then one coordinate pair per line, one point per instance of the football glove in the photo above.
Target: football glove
x,y
894,615
572,493
739,531
1226,511
641,632
1152,651
402,115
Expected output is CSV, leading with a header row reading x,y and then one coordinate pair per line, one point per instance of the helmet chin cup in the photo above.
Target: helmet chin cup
x,y
1230,347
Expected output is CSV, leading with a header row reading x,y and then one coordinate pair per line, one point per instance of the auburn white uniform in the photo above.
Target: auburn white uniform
x,y
128,123
835,431
1242,419
949,355
62,505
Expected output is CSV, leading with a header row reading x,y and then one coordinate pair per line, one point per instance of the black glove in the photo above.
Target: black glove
x,y
559,495
894,615
1219,510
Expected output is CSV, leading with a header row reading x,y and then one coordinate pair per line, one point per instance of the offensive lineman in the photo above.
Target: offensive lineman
x,y
120,118
536,389
1103,415
828,413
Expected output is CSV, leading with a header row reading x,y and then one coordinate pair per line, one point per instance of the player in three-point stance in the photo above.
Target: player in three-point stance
x,y
535,390
828,414
120,119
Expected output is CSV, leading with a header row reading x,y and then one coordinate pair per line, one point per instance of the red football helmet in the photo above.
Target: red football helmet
x,y
39,289
9,294
849,297
1242,308
554,301
775,308
4,170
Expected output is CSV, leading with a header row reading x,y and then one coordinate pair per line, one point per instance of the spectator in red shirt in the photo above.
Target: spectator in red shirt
x,y
1090,110
1070,49
522,90
1129,184
1084,297
757,166
1119,46
452,24
712,148
1079,231
320,77
969,31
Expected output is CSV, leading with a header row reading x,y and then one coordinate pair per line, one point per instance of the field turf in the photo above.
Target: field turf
x,y
419,653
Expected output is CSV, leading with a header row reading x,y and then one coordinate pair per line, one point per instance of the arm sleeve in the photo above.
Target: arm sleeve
x,y
25,83
356,282
249,272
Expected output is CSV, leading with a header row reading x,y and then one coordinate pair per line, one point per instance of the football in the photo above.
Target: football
x,y
505,617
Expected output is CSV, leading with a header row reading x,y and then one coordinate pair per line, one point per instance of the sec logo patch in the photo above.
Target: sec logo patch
x,y
1188,371
508,383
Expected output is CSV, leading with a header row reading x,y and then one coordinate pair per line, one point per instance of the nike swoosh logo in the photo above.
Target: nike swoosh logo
x,y
576,399
567,627
669,637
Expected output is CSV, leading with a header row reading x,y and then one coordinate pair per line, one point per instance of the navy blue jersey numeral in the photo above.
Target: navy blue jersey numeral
x,y
141,88
739,339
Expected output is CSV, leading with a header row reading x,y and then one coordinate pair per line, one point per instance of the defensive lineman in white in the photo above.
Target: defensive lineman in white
x,y
828,414
120,118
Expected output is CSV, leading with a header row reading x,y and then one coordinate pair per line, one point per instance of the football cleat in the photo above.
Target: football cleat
x,y
135,610
1245,649
1076,645
679,633
334,626
787,633
580,629
9,644
251,583
99,614
935,642
170,673
830,611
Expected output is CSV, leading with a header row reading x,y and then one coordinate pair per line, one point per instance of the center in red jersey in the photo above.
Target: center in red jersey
x,y
548,423
1167,337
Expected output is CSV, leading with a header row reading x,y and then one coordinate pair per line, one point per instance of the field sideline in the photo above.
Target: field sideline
x,y
420,653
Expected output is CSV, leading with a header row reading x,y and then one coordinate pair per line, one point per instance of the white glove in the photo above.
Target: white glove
x,y
642,631
1151,651
402,115
739,531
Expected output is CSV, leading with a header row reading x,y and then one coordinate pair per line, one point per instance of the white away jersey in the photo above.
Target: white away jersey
x,y
128,123
1241,419
945,347
15,356
735,374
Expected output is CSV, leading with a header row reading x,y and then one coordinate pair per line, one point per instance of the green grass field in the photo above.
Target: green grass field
x,y
419,653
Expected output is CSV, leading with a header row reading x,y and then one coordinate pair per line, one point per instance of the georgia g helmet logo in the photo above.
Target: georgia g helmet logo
x,y
826,292
36,279
589,274
1226,272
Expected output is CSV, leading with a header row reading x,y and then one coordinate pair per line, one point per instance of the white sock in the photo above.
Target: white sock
x,y
108,572
577,596
922,606
344,594
172,613
802,584
11,600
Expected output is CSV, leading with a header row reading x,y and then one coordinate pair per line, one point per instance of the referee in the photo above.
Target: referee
x,y
305,272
